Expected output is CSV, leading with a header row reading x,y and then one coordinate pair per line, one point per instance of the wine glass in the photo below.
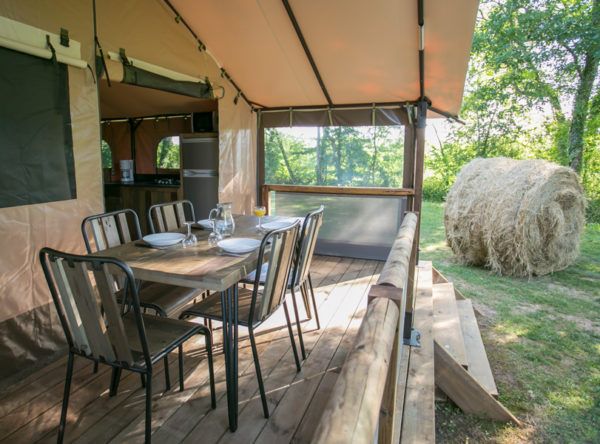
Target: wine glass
x,y
190,239
260,211
215,236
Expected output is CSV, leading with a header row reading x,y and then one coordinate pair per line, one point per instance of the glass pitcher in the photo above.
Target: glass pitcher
x,y
222,219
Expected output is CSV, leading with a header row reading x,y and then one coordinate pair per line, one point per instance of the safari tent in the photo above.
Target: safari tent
x,y
129,73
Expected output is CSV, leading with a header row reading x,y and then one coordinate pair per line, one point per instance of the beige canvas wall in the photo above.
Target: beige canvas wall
x,y
29,329
28,325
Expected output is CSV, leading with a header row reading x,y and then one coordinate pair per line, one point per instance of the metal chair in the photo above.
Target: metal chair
x,y
98,328
255,306
115,228
300,278
170,216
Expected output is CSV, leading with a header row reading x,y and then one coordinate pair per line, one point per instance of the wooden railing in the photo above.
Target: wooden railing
x,y
364,399
347,191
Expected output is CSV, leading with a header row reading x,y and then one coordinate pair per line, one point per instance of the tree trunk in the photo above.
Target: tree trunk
x,y
319,166
285,159
337,151
582,98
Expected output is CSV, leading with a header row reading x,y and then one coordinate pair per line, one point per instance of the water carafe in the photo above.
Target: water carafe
x,y
222,219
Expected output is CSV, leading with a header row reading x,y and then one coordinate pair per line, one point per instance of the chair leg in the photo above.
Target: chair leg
x,y
180,350
261,387
148,433
95,366
65,403
312,293
143,380
211,371
289,325
305,300
167,375
114,381
298,326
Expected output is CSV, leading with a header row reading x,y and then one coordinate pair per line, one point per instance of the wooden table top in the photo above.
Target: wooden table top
x,y
200,266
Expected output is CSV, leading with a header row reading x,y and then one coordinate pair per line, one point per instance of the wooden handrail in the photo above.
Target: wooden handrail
x,y
346,191
364,398
396,266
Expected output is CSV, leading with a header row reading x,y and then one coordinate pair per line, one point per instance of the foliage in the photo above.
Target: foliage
x,y
532,90
167,153
541,336
106,154
338,156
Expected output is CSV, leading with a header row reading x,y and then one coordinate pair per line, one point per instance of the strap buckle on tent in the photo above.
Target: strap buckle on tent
x,y
124,58
49,45
64,37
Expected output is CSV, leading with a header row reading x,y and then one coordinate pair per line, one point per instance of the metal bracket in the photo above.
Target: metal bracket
x,y
415,338
64,37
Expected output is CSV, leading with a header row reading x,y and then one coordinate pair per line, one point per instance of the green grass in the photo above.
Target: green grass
x,y
542,336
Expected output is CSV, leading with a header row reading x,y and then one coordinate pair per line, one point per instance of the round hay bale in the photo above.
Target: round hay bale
x,y
517,217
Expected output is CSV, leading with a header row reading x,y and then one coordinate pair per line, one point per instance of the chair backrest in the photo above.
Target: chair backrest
x,y
170,216
277,249
306,245
110,229
89,314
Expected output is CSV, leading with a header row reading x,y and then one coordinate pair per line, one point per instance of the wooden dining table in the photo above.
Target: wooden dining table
x,y
203,267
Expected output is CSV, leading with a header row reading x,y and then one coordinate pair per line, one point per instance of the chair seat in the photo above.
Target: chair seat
x,y
162,334
250,277
165,298
210,307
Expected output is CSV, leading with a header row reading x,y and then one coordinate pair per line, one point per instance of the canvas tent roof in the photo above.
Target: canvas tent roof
x,y
365,52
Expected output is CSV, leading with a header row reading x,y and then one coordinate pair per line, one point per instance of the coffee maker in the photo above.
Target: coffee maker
x,y
126,171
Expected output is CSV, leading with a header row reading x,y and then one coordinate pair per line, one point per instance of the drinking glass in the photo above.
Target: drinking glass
x,y
215,236
190,239
260,211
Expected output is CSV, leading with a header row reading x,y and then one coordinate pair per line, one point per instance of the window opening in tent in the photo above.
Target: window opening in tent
x,y
107,160
167,153
354,156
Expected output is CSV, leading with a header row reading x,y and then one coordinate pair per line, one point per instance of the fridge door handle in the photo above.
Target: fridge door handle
x,y
200,173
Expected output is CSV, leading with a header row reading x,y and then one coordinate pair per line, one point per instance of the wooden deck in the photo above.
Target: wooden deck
x,y
30,411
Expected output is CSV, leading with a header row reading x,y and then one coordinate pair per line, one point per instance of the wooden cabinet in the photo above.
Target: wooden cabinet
x,y
138,197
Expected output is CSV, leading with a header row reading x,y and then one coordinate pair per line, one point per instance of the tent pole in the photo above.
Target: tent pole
x,y
309,56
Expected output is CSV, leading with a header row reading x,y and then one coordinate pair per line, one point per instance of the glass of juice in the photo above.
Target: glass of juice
x,y
260,211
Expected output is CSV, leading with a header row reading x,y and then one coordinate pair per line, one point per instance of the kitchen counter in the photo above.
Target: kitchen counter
x,y
142,185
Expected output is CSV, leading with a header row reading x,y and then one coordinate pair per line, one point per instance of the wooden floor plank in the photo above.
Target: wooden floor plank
x,y
479,365
312,415
275,375
285,419
418,425
183,421
446,323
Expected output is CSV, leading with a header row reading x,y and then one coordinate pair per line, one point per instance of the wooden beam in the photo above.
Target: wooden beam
x,y
354,191
352,414
465,391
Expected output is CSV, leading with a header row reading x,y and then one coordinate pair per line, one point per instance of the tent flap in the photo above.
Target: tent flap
x,y
133,75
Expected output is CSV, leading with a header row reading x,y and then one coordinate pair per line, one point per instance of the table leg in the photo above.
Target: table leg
x,y
229,304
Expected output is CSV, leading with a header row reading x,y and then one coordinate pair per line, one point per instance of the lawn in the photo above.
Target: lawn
x,y
542,336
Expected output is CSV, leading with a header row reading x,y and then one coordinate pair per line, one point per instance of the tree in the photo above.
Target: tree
x,y
545,54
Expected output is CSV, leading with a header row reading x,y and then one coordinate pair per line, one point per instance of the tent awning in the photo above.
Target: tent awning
x,y
365,52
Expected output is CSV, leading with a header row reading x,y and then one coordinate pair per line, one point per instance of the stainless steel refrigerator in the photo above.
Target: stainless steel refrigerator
x,y
200,171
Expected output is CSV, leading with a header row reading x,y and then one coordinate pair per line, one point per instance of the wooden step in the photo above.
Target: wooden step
x,y
418,422
477,359
447,330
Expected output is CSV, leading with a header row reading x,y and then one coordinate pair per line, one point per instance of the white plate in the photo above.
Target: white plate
x,y
277,224
205,223
164,239
239,245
